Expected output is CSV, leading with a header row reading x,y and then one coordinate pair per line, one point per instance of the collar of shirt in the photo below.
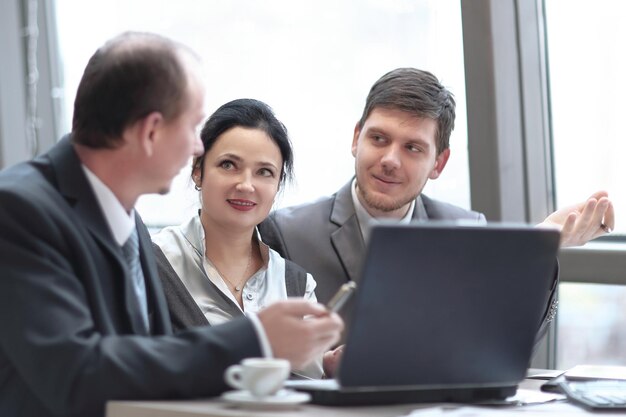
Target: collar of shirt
x,y
366,220
120,223
184,247
194,234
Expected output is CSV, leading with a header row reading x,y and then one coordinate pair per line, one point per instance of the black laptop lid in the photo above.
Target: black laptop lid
x,y
448,305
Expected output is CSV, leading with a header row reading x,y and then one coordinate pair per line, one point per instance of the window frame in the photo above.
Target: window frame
x,y
14,96
509,134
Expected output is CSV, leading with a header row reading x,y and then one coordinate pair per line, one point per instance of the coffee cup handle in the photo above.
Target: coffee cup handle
x,y
233,376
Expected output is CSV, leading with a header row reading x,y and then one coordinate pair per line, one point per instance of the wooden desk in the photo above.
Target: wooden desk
x,y
217,408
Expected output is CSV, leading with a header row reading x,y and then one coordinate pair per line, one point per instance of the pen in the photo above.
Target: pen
x,y
341,296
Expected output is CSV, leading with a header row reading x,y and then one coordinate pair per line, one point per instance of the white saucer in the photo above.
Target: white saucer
x,y
283,399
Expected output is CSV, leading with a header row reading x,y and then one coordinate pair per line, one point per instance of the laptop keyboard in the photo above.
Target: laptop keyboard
x,y
597,394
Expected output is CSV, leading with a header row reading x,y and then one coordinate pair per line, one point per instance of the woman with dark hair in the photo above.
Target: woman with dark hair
x,y
215,267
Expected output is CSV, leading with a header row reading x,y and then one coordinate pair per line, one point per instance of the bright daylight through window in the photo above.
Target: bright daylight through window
x,y
313,61
587,87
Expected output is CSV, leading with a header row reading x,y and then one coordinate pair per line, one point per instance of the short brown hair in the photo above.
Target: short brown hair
x,y
126,79
417,92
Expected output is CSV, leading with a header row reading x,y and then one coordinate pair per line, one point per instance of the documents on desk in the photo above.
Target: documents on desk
x,y
562,410
591,372
526,400
595,387
529,397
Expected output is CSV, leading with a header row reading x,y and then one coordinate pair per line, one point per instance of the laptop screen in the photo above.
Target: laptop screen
x,y
446,305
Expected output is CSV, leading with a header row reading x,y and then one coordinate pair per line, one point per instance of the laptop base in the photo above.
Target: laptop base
x,y
376,396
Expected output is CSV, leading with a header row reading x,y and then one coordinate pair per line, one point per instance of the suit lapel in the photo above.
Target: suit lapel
x,y
158,315
419,213
347,239
73,185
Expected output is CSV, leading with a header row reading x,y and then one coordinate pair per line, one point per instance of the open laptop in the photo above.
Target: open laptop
x,y
443,312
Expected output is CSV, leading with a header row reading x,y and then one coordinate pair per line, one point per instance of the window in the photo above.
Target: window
x,y
313,61
586,91
519,153
587,88
591,324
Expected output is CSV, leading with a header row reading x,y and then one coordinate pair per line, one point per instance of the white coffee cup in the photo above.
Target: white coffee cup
x,y
260,376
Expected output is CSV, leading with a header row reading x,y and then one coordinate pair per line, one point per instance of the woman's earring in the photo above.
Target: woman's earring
x,y
197,187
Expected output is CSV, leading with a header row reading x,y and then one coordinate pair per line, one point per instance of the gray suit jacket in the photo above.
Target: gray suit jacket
x,y
324,238
70,332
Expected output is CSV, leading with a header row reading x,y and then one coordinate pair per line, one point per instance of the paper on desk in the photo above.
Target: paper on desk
x,y
543,373
588,372
531,397
530,402
560,409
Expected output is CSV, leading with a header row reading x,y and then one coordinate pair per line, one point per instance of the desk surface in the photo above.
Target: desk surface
x,y
218,408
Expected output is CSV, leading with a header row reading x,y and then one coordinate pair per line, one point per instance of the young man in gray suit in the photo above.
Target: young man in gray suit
x,y
83,318
400,142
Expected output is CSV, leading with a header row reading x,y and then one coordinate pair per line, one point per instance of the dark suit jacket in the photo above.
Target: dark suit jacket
x,y
324,238
70,332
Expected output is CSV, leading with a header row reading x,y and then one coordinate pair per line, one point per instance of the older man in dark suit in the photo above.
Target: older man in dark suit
x,y
83,317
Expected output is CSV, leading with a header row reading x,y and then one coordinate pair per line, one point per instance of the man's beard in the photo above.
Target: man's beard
x,y
384,204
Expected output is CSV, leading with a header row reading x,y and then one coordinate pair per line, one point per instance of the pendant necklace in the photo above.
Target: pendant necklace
x,y
237,287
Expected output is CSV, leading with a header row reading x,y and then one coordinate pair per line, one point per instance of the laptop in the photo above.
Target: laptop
x,y
443,313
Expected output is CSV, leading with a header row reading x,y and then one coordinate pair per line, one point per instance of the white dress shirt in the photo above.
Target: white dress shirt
x,y
120,222
184,248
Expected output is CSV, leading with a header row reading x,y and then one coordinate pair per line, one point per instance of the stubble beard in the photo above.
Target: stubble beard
x,y
384,205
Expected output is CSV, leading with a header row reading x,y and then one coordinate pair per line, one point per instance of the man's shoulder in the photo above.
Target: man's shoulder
x,y
23,180
31,205
304,211
287,226
440,210
312,213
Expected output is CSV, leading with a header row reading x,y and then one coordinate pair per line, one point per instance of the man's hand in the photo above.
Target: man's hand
x,y
331,361
583,221
295,338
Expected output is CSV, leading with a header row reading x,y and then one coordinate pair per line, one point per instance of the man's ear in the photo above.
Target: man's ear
x,y
149,129
355,138
440,164
196,174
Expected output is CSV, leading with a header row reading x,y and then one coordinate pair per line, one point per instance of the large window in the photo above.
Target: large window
x,y
313,61
591,325
543,134
587,88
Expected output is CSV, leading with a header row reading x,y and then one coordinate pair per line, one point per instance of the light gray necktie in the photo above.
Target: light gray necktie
x,y
131,253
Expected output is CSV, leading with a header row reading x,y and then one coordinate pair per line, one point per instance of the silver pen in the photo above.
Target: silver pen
x,y
341,296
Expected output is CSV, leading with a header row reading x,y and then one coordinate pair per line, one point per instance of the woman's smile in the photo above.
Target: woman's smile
x,y
242,205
